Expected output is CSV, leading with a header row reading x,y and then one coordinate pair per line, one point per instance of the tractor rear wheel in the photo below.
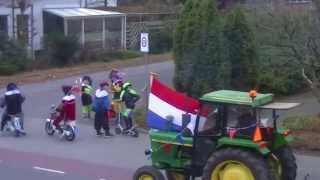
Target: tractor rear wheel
x,y
287,162
172,175
231,163
148,173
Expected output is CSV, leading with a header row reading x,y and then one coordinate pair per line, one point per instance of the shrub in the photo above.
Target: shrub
x,y
198,52
304,123
13,57
61,48
243,55
278,72
7,69
211,53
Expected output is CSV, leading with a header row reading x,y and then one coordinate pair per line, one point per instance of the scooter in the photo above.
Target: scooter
x,y
133,132
69,128
13,125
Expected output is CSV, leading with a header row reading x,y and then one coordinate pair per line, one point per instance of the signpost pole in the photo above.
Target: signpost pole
x,y
144,48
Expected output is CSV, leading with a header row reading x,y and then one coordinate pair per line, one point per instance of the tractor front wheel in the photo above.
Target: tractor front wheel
x,y
232,163
148,173
287,162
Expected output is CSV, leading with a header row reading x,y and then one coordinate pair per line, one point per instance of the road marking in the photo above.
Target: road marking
x,y
48,170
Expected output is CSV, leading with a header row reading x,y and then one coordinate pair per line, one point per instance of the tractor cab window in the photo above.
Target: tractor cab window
x,y
208,119
242,118
265,117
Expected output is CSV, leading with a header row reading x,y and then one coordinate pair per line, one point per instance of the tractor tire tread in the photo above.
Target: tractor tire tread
x,y
288,162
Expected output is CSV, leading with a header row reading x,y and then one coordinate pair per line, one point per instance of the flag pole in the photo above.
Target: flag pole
x,y
149,85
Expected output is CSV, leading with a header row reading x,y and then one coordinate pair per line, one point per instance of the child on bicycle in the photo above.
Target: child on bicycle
x,y
66,109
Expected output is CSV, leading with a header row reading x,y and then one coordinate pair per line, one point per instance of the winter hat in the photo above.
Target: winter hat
x,y
105,83
11,86
66,89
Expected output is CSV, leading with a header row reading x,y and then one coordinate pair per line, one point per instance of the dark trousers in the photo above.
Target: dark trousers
x,y
4,120
101,121
128,122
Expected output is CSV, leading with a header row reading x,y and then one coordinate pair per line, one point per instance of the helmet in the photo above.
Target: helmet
x,y
126,85
11,86
66,89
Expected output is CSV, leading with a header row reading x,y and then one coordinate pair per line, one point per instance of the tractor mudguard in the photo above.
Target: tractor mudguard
x,y
242,143
281,138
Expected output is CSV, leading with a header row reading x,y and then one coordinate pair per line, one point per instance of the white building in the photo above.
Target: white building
x,y
92,25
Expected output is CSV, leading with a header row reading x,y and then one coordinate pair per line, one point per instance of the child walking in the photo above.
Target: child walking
x,y
101,106
86,96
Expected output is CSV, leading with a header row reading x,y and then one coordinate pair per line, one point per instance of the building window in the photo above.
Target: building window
x,y
300,1
3,26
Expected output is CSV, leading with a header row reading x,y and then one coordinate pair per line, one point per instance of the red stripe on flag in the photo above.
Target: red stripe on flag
x,y
174,98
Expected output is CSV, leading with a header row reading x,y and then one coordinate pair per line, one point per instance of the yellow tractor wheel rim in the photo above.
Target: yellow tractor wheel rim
x,y
231,170
146,177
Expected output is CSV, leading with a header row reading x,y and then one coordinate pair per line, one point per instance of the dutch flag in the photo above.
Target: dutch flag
x,y
166,104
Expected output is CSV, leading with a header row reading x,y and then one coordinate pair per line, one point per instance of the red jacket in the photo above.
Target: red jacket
x,y
69,107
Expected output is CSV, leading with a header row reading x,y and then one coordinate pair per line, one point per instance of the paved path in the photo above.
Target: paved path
x,y
38,156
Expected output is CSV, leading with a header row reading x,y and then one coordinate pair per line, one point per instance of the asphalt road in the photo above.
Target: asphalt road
x,y
39,157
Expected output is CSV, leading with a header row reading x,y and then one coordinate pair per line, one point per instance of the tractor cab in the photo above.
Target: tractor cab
x,y
249,116
235,134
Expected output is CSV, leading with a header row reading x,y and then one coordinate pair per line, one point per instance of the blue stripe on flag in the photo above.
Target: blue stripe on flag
x,y
157,122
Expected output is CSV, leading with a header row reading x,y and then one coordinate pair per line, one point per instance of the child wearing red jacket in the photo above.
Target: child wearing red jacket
x,y
66,109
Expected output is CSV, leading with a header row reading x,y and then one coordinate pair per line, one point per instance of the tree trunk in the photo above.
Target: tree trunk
x,y
314,85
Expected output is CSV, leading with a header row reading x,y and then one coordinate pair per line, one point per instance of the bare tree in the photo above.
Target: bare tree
x,y
296,35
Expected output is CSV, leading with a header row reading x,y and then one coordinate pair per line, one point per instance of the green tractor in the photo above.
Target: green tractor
x,y
236,137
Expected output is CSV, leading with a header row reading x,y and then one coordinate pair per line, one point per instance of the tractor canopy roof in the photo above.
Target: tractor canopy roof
x,y
237,98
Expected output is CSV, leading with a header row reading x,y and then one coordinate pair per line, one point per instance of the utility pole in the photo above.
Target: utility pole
x,y
13,19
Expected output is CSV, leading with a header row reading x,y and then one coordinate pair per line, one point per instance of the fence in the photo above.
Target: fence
x,y
147,22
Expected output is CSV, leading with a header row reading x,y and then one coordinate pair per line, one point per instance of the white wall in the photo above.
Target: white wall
x,y
39,5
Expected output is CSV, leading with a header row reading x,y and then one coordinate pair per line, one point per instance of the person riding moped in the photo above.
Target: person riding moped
x,y
66,109
12,102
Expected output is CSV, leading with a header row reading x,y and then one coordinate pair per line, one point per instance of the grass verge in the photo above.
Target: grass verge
x,y
124,60
306,130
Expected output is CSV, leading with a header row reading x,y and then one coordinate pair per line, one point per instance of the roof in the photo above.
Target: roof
x,y
74,13
280,106
237,97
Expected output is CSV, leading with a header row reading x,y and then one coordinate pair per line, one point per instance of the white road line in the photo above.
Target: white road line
x,y
48,170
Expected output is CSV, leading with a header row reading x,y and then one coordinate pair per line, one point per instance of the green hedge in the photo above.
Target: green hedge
x,y
13,57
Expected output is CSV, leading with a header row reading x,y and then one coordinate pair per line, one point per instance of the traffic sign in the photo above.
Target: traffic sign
x,y
144,42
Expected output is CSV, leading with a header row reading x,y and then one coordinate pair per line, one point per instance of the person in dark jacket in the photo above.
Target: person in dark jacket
x,y
12,101
86,96
101,105
129,97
